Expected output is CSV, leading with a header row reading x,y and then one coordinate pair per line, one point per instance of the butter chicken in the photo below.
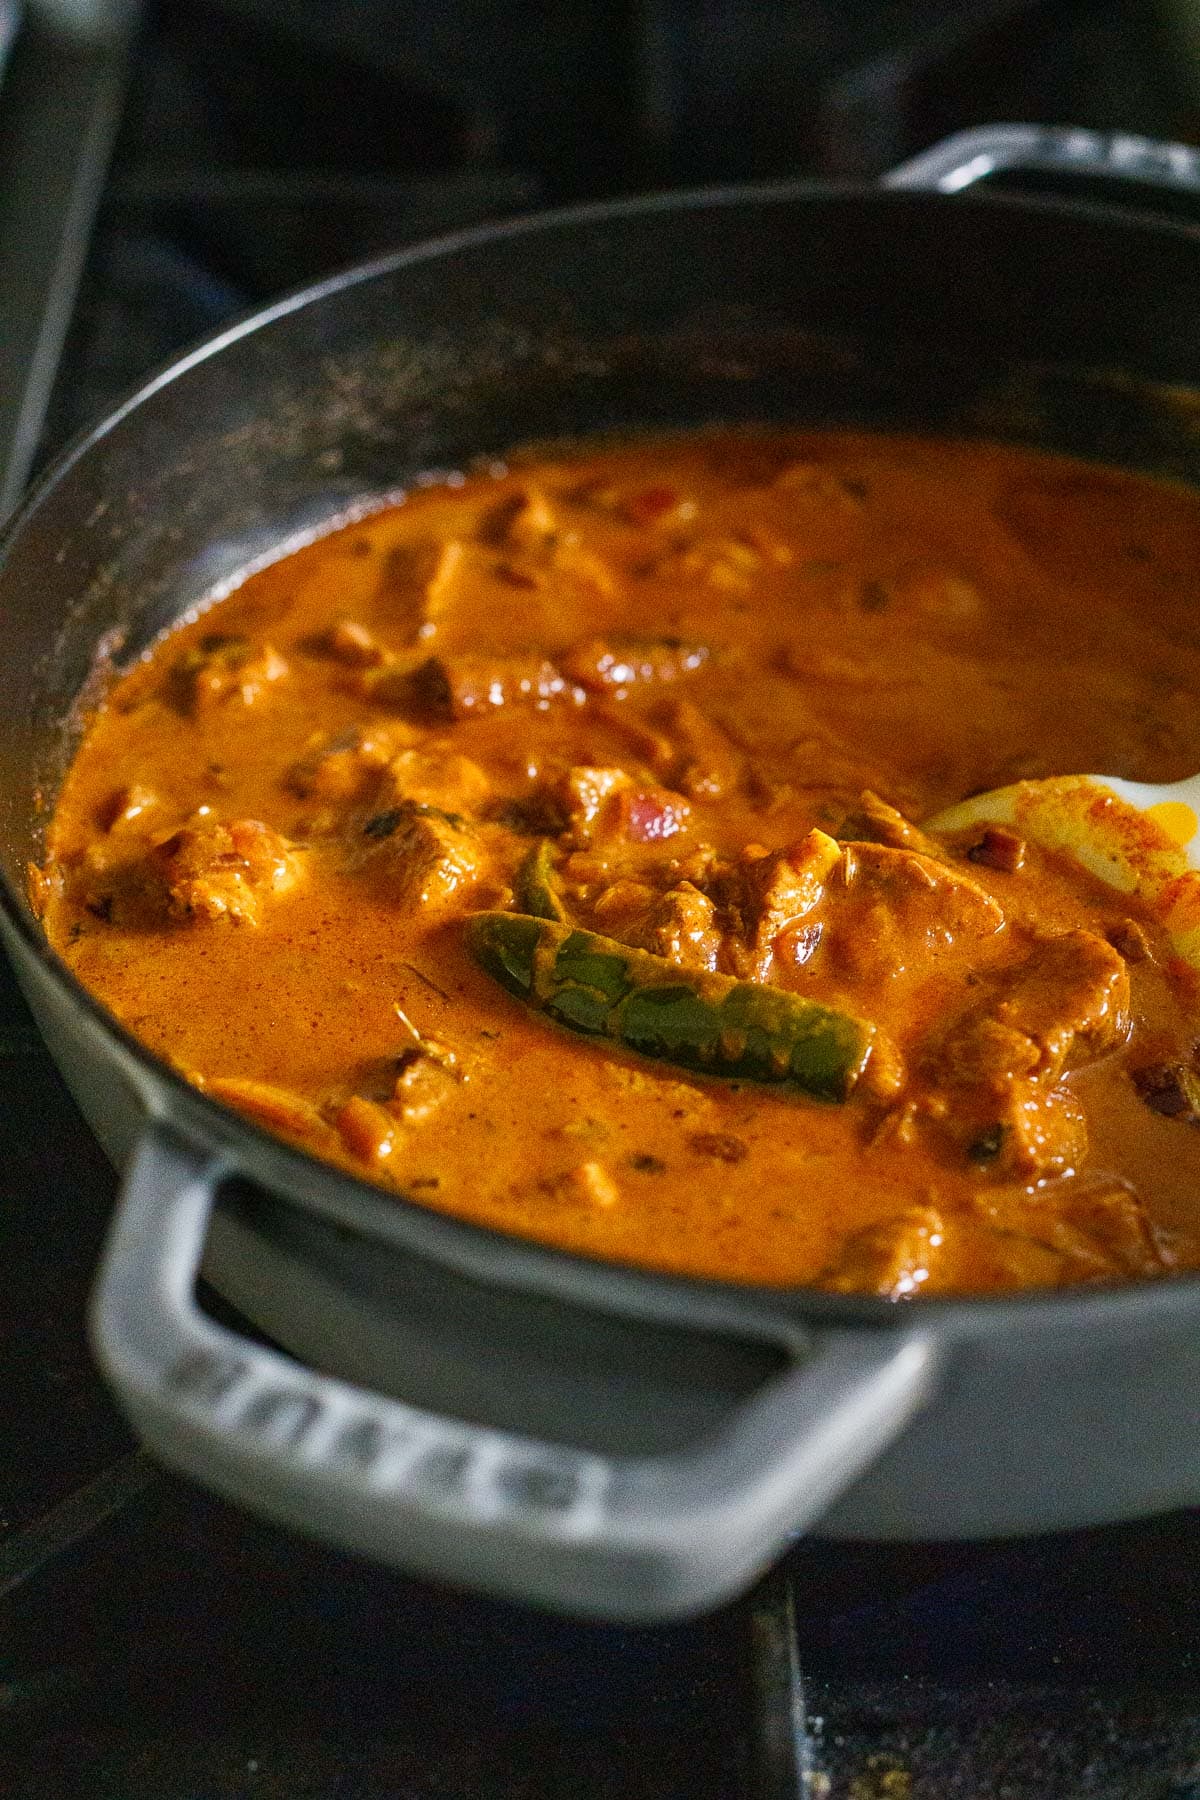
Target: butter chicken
x,y
545,845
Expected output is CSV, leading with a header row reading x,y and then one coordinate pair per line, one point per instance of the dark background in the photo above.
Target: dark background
x,y
267,141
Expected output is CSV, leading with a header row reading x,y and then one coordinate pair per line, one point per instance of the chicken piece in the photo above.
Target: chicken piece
x,y
224,872
1071,999
435,776
586,795
886,1073
1130,941
1170,1089
131,811
706,764
460,687
352,644
599,664
221,669
924,590
682,927
1085,1231
904,910
884,825
1066,1003
776,890
525,521
117,877
114,880
1033,1131
442,580
983,1051
592,1183
423,858
814,482
428,1074
898,1128
367,1129
624,909
420,581
542,553
420,1089
345,767
582,568
608,805
277,1108
1110,1216
729,563
896,1257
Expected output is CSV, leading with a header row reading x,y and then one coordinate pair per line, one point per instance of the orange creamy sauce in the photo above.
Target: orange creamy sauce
x,y
670,661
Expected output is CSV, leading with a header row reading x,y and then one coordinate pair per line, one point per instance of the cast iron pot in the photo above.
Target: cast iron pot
x,y
585,1436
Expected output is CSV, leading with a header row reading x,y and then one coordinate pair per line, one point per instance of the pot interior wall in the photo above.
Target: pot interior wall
x,y
1057,327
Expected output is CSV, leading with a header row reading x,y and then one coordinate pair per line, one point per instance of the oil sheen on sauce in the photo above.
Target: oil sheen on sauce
x,y
703,690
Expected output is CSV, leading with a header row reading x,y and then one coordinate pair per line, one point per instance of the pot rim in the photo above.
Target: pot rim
x,y
483,1252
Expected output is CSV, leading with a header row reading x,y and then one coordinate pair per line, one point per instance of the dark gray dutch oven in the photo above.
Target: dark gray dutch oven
x,y
451,1400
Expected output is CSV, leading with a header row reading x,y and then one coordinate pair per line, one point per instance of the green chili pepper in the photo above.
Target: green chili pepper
x,y
698,1020
536,887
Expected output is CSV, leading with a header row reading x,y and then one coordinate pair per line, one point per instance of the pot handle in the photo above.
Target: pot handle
x,y
646,1537
970,156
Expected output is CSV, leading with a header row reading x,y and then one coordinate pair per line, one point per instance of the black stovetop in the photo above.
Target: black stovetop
x,y
157,1644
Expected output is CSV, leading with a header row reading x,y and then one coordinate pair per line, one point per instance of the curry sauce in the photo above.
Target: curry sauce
x,y
546,846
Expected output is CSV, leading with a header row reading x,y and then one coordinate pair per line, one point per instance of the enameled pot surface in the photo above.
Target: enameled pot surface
x,y
653,1442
